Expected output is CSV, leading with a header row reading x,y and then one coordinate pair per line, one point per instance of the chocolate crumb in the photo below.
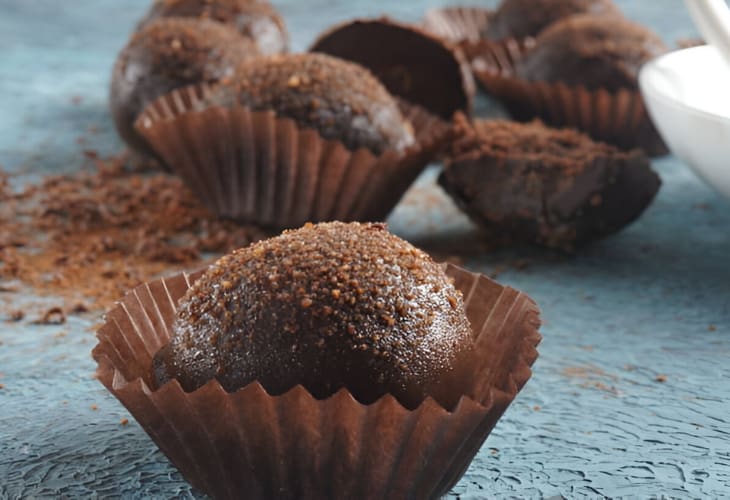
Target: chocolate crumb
x,y
16,316
54,316
661,378
124,421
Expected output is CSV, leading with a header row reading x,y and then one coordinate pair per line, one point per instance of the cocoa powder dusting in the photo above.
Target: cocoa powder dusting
x,y
91,236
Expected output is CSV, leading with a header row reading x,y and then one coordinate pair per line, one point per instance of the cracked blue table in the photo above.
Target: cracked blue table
x,y
630,397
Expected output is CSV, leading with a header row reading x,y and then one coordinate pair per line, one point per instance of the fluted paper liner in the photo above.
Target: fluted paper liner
x,y
458,24
619,118
248,444
257,168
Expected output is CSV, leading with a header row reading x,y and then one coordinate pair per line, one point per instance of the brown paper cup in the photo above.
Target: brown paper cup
x,y
256,168
458,24
618,118
248,444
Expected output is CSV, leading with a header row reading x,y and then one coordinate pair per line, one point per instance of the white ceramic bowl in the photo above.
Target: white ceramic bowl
x,y
687,93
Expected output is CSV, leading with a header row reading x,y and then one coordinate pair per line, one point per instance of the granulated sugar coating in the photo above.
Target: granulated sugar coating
x,y
326,306
255,19
342,100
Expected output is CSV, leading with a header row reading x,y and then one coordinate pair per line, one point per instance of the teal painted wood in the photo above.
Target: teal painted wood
x,y
651,302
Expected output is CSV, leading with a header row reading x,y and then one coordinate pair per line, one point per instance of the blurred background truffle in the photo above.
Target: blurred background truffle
x,y
168,54
255,19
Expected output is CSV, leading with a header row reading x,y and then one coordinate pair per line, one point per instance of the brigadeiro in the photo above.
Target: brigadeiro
x,y
591,52
513,19
168,54
411,63
294,138
328,306
255,19
341,100
334,361
580,72
527,18
526,182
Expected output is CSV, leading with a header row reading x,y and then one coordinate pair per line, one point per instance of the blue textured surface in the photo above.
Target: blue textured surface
x,y
650,304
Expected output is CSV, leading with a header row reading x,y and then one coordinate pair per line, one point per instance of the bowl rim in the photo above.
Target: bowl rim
x,y
650,90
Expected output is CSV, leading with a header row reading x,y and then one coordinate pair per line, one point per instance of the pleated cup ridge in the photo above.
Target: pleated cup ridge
x,y
457,24
253,445
254,167
619,118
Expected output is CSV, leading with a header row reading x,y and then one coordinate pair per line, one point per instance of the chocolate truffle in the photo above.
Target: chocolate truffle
x,y
341,100
525,18
588,51
328,306
255,19
534,184
410,62
168,54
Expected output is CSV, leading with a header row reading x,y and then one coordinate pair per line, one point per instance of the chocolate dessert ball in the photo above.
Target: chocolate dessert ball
x,y
327,306
552,187
168,54
341,100
524,18
589,51
255,19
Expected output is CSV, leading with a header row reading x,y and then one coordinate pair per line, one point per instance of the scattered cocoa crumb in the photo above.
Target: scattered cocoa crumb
x,y
493,451
536,408
53,316
89,237
661,378
15,316
2,386
124,421
79,308
94,407
76,100
496,272
712,328
521,264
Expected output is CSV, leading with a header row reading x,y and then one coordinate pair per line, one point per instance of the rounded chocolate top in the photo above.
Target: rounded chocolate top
x,y
525,18
527,182
166,55
255,19
327,306
411,63
551,148
341,100
591,52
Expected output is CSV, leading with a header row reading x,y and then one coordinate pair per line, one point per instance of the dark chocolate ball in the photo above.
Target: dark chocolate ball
x,y
327,306
341,100
166,55
255,19
527,182
592,52
525,18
